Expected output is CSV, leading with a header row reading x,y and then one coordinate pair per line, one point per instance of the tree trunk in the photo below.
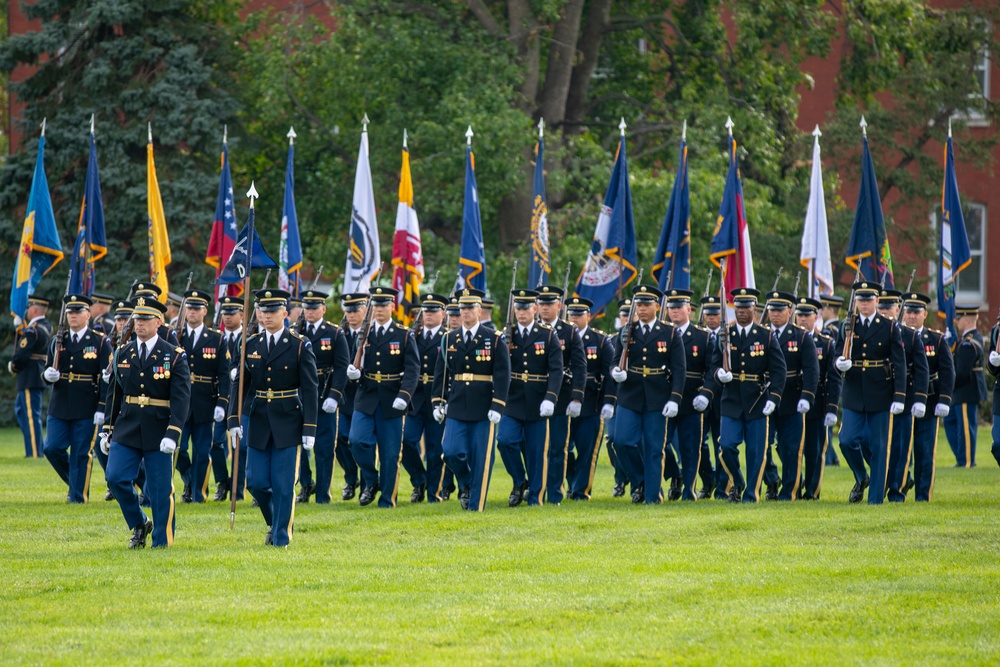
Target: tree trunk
x,y
590,48
523,33
562,56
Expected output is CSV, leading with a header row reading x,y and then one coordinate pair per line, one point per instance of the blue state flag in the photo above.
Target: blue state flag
x,y
869,245
472,260
91,244
240,262
954,255
673,252
610,266
290,251
539,269
40,249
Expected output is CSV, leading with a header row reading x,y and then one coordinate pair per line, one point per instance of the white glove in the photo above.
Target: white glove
x,y
896,408
493,416
607,411
547,408
700,403
98,418
308,442
168,445
399,404
670,409
236,432
941,410
219,414
918,410
329,405
843,365
353,373
803,406
10,366
768,408
830,419
994,358
50,374
439,414
233,373
105,438
724,376
106,375
618,374
573,409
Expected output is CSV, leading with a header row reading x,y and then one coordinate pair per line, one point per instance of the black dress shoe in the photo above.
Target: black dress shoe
x,y
254,503
858,492
772,492
638,495
367,495
267,538
143,501
706,492
108,495
347,493
418,493
909,485
221,491
734,494
139,534
186,496
517,495
445,495
618,491
463,497
307,490
674,492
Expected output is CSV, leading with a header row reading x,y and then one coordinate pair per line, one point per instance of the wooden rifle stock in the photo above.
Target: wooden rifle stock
x,y
763,313
61,329
708,287
366,325
300,323
628,331
180,309
511,320
852,307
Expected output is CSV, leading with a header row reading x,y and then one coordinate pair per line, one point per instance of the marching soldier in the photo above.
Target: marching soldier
x,y
962,424
147,290
714,481
280,397
421,432
536,377
570,402
76,407
471,378
874,388
830,315
100,319
801,379
587,430
993,365
122,314
330,347
27,363
208,363
650,389
621,477
753,388
353,305
386,381
687,429
917,377
487,316
148,400
941,383
231,308
822,416
173,309
454,314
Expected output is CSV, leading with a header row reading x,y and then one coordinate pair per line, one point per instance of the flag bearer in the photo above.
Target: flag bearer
x,y
30,347
962,423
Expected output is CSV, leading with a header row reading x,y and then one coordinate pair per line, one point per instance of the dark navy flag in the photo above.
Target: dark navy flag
x,y
290,250
239,264
731,240
673,252
472,260
954,255
539,269
869,245
91,244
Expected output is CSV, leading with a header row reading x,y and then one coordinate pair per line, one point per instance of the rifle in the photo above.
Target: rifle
x,y
511,320
61,330
663,299
851,314
562,309
899,315
628,331
301,322
724,329
997,346
180,309
366,325
418,321
708,286
252,324
763,313
795,290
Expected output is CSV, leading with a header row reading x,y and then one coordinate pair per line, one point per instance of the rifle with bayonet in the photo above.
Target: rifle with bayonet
x,y
708,287
252,324
795,290
565,288
724,329
61,329
179,326
628,331
366,324
664,317
300,323
852,312
763,313
418,321
909,284
511,320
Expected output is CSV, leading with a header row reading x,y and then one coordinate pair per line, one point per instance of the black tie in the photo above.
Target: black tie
x,y
743,336
312,330
468,336
864,327
378,335
427,335
270,344
76,338
645,330
142,353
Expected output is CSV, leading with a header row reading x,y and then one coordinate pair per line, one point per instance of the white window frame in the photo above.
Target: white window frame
x,y
972,117
974,296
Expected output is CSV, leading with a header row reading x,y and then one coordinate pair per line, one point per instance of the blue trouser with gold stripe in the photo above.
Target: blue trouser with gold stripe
x,y
732,433
73,467
900,451
789,432
686,432
856,429
620,475
271,478
925,437
558,451
430,469
468,451
814,457
524,448
413,455
196,477
645,432
343,453
28,411
325,450
961,426
220,452
585,434
996,438
369,432
123,468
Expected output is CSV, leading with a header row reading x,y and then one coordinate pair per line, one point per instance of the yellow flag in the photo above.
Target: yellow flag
x,y
159,242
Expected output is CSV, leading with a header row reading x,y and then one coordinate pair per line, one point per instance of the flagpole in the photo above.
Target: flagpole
x,y
621,129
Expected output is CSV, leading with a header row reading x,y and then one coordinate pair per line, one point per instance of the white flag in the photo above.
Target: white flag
x,y
363,253
815,237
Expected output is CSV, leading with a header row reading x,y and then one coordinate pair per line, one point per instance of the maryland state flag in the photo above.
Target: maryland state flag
x,y
407,256
224,229
40,249
731,241
159,242
91,244
673,252
869,245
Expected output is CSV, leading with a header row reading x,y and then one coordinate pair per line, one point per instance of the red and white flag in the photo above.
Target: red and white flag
x,y
407,256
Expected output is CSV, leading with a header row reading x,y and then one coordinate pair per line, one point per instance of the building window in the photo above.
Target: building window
x,y
971,281
975,114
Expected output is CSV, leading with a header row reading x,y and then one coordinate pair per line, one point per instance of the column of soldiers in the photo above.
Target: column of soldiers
x,y
371,395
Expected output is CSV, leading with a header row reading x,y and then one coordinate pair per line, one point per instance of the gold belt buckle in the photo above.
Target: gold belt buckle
x,y
378,376
743,377
524,377
645,372
143,401
270,395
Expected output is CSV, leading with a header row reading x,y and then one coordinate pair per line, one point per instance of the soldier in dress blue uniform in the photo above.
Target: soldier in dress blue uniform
x,y
231,308
148,399
354,305
941,383
830,305
471,378
687,430
714,480
993,366
330,347
208,362
587,430
487,314
150,289
280,395
962,424
570,402
422,433
30,346
753,389
101,320
77,404
874,388
917,378
789,420
536,377
650,389
387,378
822,416
122,310
621,477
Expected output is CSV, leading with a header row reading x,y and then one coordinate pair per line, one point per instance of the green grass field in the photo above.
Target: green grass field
x,y
603,582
